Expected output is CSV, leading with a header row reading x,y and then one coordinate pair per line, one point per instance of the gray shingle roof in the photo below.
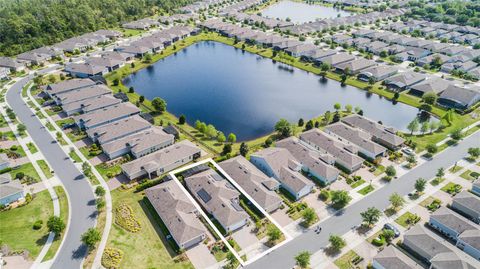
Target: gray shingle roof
x,y
217,196
392,258
176,211
252,180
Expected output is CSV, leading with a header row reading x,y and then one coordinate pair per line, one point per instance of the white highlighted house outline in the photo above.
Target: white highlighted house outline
x,y
288,237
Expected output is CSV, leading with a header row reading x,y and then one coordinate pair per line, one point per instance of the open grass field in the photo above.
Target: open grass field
x,y
16,229
149,240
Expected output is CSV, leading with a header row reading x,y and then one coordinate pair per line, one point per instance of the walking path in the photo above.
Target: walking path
x,y
44,181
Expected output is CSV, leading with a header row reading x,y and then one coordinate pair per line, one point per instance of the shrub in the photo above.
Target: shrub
x,y
37,225
124,218
112,258
324,195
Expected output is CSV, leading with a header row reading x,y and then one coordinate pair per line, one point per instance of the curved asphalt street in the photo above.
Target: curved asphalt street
x,y
344,221
81,197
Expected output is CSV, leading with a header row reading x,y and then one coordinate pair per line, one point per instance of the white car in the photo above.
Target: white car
x,y
408,151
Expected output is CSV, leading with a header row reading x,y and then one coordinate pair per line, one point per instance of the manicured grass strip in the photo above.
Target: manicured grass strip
x,y
357,183
45,168
455,169
347,260
407,219
469,175
156,252
63,200
74,156
108,172
16,226
366,190
32,148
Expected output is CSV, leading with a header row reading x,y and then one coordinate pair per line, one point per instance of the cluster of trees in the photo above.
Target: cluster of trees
x,y
453,12
29,24
211,132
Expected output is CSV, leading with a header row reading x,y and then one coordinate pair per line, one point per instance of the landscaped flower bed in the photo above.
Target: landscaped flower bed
x,y
124,218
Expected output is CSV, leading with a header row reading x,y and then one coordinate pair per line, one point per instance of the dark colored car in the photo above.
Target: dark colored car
x,y
390,227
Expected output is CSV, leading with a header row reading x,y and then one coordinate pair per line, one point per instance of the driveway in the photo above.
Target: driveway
x,y
200,256
81,197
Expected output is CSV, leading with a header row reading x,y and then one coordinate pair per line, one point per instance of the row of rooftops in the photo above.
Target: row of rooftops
x,y
366,18
433,249
239,6
157,41
368,3
462,96
107,120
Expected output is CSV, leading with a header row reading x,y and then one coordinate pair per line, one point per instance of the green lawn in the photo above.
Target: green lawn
x,y
455,169
407,219
74,156
45,168
89,153
366,190
28,170
357,183
32,148
16,228
469,175
108,172
346,261
452,188
63,200
150,239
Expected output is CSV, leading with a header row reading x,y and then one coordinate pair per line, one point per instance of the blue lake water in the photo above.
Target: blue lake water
x,y
299,12
246,94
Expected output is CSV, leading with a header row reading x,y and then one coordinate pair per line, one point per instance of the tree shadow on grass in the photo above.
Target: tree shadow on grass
x,y
158,224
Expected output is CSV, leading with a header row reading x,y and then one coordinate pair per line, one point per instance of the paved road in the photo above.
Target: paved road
x,y
343,222
80,194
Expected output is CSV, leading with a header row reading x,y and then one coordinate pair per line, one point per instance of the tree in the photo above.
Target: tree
x,y
348,108
420,184
432,148
371,216
303,259
336,242
300,122
100,204
182,119
91,237
430,98
227,148
232,138
221,137
340,198
273,233
425,126
21,128
324,67
413,126
474,153
390,171
327,117
309,216
284,128
309,125
211,131
337,106
55,224
141,99
243,149
159,104
396,200
440,172
100,191
456,134
232,260
388,235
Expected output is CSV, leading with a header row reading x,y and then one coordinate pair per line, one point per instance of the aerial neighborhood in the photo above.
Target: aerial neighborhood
x,y
240,134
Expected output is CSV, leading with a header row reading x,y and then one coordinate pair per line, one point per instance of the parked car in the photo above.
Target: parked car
x,y
408,151
390,227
